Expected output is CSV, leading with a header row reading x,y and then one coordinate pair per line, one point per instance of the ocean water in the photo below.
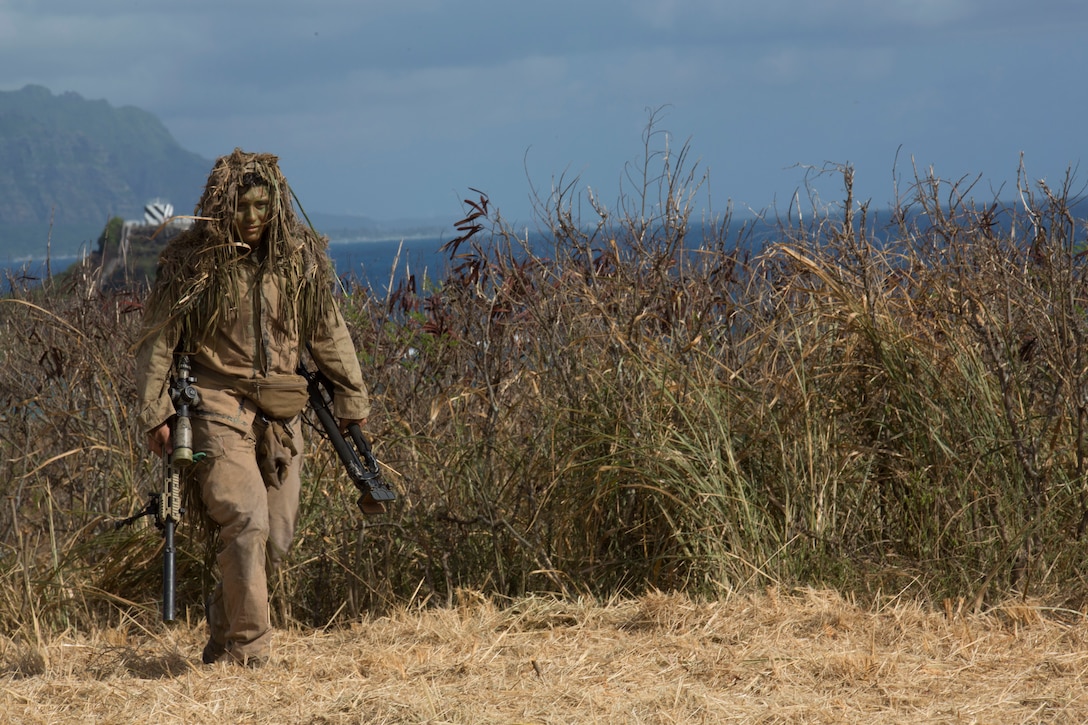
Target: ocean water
x,y
372,263
28,273
376,262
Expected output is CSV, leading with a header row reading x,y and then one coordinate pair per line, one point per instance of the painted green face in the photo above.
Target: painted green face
x,y
251,215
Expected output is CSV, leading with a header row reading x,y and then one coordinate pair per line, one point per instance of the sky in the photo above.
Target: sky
x,y
397,109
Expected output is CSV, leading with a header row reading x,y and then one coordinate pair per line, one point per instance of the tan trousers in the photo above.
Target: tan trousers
x,y
256,525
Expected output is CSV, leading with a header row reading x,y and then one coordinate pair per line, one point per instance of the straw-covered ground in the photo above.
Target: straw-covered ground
x,y
808,656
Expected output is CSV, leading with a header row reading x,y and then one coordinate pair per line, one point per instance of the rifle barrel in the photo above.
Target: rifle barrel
x,y
169,584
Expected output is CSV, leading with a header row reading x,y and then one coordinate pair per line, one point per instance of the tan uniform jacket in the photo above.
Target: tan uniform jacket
x,y
252,342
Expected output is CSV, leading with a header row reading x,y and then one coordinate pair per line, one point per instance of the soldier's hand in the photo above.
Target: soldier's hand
x,y
158,440
345,423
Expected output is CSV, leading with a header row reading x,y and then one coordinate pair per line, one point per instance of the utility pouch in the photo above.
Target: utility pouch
x,y
280,397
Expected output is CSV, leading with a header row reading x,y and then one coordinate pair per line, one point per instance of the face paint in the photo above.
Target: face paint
x,y
251,215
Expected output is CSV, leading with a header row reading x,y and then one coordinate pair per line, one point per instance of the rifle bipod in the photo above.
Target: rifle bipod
x,y
164,507
354,450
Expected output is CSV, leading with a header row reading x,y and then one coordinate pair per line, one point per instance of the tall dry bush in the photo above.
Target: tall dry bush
x,y
882,405
919,396
530,402
72,461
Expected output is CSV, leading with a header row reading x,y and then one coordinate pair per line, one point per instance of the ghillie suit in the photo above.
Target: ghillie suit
x,y
196,270
197,282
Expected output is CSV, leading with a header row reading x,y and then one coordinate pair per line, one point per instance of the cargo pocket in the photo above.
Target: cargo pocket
x,y
275,450
208,442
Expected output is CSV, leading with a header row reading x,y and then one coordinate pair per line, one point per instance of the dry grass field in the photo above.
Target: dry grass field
x,y
803,657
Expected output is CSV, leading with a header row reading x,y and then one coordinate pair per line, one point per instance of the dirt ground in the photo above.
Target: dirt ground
x,y
806,657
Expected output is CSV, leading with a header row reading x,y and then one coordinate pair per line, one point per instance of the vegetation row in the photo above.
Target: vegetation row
x,y
889,407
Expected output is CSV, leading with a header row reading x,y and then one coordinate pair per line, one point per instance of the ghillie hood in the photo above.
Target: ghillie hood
x,y
194,280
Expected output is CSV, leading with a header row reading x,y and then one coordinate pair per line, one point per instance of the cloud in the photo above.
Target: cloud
x,y
427,94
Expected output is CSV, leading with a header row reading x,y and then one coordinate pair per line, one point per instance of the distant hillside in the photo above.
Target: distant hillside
x,y
67,165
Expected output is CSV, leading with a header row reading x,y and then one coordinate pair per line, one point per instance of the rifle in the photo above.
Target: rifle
x,y
165,505
356,456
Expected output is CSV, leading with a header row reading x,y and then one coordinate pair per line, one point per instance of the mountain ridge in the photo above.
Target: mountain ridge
x,y
68,165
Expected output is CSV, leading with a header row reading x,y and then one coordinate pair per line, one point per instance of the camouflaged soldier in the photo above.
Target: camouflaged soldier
x,y
243,293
